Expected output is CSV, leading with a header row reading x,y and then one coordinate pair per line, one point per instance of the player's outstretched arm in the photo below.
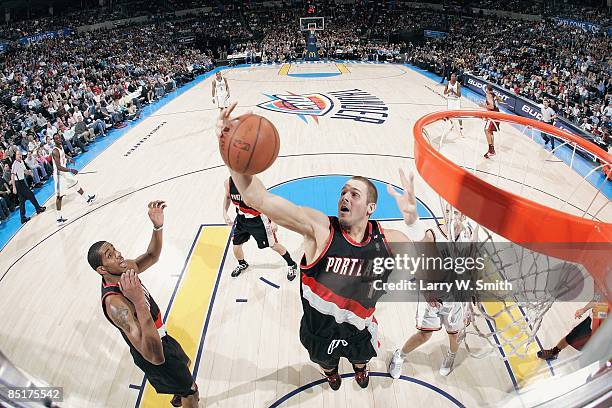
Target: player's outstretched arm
x,y
140,329
156,215
305,221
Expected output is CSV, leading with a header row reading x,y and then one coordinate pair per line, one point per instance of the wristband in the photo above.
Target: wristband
x,y
161,227
416,231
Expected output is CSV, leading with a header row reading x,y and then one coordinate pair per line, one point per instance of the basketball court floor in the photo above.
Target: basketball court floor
x,y
241,334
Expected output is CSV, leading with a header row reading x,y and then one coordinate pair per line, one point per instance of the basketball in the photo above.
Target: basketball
x,y
251,144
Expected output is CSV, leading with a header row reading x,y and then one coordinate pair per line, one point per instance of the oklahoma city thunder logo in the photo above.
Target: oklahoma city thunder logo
x,y
313,105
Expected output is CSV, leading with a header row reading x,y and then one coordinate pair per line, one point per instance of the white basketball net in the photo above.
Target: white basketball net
x,y
537,282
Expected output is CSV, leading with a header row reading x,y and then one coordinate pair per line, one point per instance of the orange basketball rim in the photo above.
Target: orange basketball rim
x,y
518,219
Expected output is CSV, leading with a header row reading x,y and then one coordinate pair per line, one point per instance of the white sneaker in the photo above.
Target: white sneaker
x,y
61,221
90,199
447,364
395,365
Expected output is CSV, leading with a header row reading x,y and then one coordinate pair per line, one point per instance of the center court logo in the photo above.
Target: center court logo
x,y
313,105
353,104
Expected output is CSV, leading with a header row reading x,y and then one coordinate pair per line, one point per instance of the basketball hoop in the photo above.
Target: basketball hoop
x,y
555,234
312,27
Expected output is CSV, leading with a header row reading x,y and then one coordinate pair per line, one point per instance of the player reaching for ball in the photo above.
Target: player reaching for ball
x,y
220,91
129,307
338,304
252,223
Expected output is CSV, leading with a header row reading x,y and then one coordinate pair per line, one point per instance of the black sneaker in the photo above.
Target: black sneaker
x,y
176,401
41,210
238,270
548,355
362,378
291,272
334,380
24,220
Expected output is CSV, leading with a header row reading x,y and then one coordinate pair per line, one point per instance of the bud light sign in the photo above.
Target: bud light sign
x,y
507,98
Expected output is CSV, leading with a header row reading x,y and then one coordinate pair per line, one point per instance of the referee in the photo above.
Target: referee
x,y
21,188
548,116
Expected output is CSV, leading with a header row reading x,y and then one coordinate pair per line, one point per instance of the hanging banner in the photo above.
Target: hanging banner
x,y
45,36
584,25
434,34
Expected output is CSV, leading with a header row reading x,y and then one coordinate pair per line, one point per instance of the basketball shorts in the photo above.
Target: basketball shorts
x,y
222,100
64,182
453,103
172,377
580,334
359,348
429,318
258,227
492,125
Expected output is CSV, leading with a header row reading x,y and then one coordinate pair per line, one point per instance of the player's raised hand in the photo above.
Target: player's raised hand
x,y
578,314
156,213
224,119
406,202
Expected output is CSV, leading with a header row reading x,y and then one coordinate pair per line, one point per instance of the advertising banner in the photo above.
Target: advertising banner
x,y
584,25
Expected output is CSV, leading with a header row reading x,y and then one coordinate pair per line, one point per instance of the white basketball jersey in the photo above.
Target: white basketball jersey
x,y
453,88
220,87
62,156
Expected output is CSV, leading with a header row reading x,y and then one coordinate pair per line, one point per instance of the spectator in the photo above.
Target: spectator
x,y
7,195
21,189
39,173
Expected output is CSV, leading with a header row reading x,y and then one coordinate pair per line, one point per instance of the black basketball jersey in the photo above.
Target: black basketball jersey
x,y
337,290
241,208
113,289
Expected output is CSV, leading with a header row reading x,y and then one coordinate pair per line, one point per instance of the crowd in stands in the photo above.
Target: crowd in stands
x,y
537,60
84,85
88,12
81,88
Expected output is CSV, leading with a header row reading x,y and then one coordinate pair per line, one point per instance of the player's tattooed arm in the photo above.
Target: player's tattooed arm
x,y
121,317
135,321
